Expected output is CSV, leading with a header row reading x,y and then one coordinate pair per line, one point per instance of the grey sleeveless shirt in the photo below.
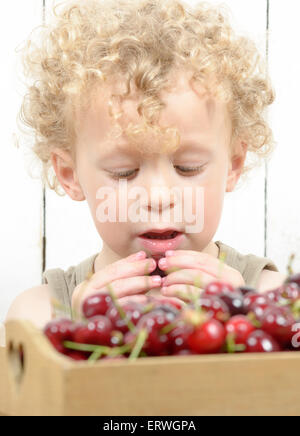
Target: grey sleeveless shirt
x,y
62,283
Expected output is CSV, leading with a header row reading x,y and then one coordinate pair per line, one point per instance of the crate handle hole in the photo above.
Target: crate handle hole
x,y
16,357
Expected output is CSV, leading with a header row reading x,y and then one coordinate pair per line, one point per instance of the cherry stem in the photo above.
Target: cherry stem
x,y
67,310
140,341
231,346
167,328
122,314
98,350
222,258
148,307
289,265
95,356
86,347
251,316
296,309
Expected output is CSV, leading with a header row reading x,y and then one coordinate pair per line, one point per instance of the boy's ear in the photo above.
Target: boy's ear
x,y
236,165
66,173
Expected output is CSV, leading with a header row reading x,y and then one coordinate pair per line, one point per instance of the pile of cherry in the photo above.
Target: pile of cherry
x,y
222,319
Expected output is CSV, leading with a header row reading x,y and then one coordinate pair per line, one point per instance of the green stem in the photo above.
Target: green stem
x,y
122,314
69,311
289,268
222,258
85,347
141,339
167,328
95,356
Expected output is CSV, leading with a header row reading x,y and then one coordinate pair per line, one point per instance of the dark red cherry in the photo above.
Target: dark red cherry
x,y
214,306
254,298
58,331
217,288
178,336
157,342
133,312
78,355
234,302
96,304
295,278
278,322
245,289
240,327
97,331
290,291
261,342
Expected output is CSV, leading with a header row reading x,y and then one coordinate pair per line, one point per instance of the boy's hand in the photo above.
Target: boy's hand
x,y
128,278
195,269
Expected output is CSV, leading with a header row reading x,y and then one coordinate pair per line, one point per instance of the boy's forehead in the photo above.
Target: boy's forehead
x,y
189,108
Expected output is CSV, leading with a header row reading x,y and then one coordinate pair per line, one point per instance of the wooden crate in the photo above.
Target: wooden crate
x,y
51,384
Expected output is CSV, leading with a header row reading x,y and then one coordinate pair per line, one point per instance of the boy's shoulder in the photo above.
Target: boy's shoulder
x,y
32,304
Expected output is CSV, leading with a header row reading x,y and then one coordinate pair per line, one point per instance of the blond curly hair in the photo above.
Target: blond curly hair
x,y
90,43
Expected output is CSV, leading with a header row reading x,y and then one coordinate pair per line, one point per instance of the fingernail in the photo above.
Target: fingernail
x,y
156,280
169,253
162,262
137,256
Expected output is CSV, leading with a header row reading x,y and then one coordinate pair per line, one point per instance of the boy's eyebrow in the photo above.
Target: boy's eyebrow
x,y
185,146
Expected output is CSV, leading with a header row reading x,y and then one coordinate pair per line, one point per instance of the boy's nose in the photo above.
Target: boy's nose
x,y
160,200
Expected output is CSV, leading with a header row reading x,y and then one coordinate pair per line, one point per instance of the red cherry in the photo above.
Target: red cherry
x,y
290,291
58,331
214,306
245,289
167,302
240,327
234,302
218,287
78,355
295,278
274,295
178,336
96,304
184,352
259,309
207,338
157,343
97,331
254,298
261,342
278,322
133,311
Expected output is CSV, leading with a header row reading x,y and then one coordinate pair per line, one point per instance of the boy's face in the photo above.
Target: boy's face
x,y
205,129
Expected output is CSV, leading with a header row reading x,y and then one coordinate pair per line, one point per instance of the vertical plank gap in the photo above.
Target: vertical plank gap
x,y
266,164
44,190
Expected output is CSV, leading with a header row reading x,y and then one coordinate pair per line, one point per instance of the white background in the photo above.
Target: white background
x,y
260,218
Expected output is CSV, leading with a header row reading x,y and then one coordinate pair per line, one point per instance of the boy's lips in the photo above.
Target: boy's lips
x,y
160,246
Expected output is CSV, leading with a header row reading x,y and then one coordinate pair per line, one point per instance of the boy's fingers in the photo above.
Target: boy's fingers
x,y
133,285
122,270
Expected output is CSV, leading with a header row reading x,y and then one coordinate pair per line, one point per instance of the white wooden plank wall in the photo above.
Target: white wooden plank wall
x,y
70,231
21,196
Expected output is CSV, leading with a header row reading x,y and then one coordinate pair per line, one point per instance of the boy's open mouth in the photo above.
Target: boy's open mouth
x,y
170,234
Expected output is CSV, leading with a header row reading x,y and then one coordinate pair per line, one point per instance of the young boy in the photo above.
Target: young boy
x,y
159,94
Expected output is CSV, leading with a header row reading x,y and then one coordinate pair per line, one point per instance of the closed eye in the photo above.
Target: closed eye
x,y
185,170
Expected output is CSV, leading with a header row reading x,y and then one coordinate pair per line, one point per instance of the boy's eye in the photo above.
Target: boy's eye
x,y
190,169
127,174
124,175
